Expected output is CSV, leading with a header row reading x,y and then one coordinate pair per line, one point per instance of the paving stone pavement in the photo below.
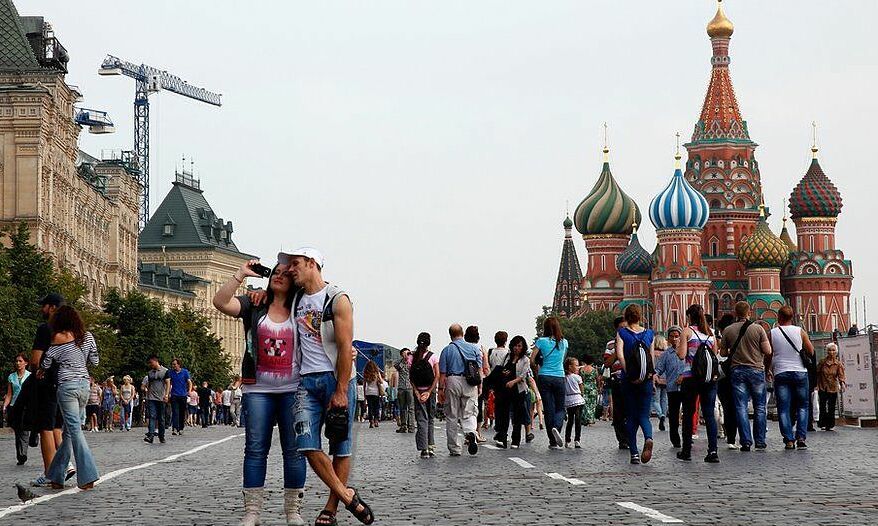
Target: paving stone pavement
x,y
834,482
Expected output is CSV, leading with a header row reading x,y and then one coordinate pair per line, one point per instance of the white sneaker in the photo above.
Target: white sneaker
x,y
568,445
733,446
557,436
577,444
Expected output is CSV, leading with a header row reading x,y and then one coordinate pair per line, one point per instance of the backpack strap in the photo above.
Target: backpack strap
x,y
734,348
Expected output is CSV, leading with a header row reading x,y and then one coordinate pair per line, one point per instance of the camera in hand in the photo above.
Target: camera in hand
x,y
262,270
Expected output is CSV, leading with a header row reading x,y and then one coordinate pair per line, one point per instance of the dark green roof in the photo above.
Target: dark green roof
x,y
167,279
15,51
194,223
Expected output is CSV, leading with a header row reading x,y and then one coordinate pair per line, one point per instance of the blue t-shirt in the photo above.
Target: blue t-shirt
x,y
451,361
179,382
630,340
553,356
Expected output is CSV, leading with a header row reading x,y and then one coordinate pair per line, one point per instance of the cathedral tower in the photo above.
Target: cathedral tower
x,y
568,298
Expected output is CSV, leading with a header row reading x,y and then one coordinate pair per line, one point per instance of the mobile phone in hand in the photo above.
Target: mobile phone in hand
x,y
262,270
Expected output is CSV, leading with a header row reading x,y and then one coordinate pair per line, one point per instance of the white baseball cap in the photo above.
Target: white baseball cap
x,y
306,252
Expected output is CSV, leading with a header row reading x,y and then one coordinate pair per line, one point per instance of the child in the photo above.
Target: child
x,y
489,411
574,401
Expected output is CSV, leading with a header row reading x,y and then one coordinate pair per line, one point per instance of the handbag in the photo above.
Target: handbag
x,y
807,361
726,366
472,373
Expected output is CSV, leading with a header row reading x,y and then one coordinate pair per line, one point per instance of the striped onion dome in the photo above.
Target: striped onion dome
x,y
606,209
763,249
815,195
678,205
634,259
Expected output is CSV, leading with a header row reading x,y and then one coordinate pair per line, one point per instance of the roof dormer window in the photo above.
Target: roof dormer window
x,y
168,230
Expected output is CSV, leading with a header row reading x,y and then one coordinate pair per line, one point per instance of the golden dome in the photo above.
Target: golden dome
x,y
720,26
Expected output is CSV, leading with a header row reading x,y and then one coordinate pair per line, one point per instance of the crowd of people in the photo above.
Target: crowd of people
x,y
707,374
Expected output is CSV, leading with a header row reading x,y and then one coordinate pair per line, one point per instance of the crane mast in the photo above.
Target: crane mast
x,y
150,80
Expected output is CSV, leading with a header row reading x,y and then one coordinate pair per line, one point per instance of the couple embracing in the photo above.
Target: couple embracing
x,y
297,373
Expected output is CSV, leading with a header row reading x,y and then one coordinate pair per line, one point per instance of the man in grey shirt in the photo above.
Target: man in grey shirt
x,y
157,385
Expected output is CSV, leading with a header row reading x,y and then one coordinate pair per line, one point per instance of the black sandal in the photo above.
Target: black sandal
x,y
365,514
326,518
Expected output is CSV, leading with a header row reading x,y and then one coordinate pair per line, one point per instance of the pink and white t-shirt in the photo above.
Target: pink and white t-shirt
x,y
276,367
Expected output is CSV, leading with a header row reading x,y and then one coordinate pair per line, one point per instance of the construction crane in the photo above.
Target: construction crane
x,y
150,80
95,120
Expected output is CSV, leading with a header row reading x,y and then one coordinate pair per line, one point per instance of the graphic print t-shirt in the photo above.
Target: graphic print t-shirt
x,y
276,368
309,317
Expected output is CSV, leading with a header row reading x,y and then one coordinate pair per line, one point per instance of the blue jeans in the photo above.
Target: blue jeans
x,y
156,413
660,401
178,412
792,388
313,401
264,411
694,390
72,397
638,399
749,383
552,391
125,415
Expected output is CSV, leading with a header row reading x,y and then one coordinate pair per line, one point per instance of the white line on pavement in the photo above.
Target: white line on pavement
x,y
110,476
521,462
558,476
649,512
489,446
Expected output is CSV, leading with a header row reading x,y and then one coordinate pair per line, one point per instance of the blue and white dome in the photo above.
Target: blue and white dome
x,y
678,205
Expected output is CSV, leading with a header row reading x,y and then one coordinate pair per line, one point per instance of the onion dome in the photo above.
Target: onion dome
x,y
606,209
568,224
815,195
763,249
634,259
678,205
720,26
786,238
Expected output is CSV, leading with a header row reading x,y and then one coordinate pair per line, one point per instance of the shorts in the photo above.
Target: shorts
x,y
314,394
47,414
193,409
91,410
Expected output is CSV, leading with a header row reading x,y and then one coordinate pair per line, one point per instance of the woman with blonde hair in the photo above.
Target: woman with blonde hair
x,y
830,381
126,399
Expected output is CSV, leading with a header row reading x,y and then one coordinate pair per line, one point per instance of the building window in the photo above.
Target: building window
x,y
675,254
675,318
825,242
714,247
603,262
811,243
168,230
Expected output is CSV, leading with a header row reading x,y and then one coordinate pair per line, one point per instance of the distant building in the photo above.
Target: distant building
x,y
187,253
568,297
81,210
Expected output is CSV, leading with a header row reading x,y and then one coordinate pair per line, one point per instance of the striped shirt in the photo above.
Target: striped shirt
x,y
72,359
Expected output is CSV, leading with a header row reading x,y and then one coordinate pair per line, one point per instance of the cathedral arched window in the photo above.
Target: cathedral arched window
x,y
714,246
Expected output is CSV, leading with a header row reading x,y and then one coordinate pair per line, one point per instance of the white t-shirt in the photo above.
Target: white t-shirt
x,y
309,317
361,393
497,356
573,391
784,358
227,397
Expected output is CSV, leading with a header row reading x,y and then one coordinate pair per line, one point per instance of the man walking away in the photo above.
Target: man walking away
x,y
181,384
747,347
615,366
227,406
324,318
204,403
404,394
459,397
157,385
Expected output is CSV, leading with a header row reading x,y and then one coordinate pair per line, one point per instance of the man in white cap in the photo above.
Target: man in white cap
x,y
323,316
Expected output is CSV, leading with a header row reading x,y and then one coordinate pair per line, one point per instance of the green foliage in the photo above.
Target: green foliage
x,y
130,328
586,335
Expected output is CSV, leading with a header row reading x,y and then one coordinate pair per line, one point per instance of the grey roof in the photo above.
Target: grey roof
x,y
167,279
195,223
15,51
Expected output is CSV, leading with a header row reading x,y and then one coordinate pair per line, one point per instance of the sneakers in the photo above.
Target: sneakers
x,y
472,446
661,423
761,447
174,432
514,446
400,430
635,459
555,446
453,454
789,446
431,453
744,447
577,445
162,440
70,474
501,444
41,482
712,458
568,445
529,438
148,438
647,451
800,444
425,454
623,445
556,435
684,456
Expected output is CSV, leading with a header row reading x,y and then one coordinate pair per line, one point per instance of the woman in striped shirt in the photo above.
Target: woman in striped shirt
x,y
71,352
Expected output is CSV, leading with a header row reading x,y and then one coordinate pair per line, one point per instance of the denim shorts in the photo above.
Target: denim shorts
x,y
315,391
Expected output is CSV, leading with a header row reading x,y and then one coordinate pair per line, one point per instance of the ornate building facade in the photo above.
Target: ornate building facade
x,y
187,253
81,210
568,298
714,244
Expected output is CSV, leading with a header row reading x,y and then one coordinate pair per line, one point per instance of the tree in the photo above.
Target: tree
x,y
586,335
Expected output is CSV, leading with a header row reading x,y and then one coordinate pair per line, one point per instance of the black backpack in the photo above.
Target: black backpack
x,y
421,372
472,373
638,364
704,363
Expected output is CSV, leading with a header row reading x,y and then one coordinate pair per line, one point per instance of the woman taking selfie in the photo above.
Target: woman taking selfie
x,y
270,380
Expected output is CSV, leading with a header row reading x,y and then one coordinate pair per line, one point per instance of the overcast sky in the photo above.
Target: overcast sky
x,y
430,148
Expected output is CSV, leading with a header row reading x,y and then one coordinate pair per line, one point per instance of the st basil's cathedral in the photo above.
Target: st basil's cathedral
x,y
714,244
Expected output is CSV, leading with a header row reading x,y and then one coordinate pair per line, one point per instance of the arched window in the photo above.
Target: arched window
x,y
714,246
